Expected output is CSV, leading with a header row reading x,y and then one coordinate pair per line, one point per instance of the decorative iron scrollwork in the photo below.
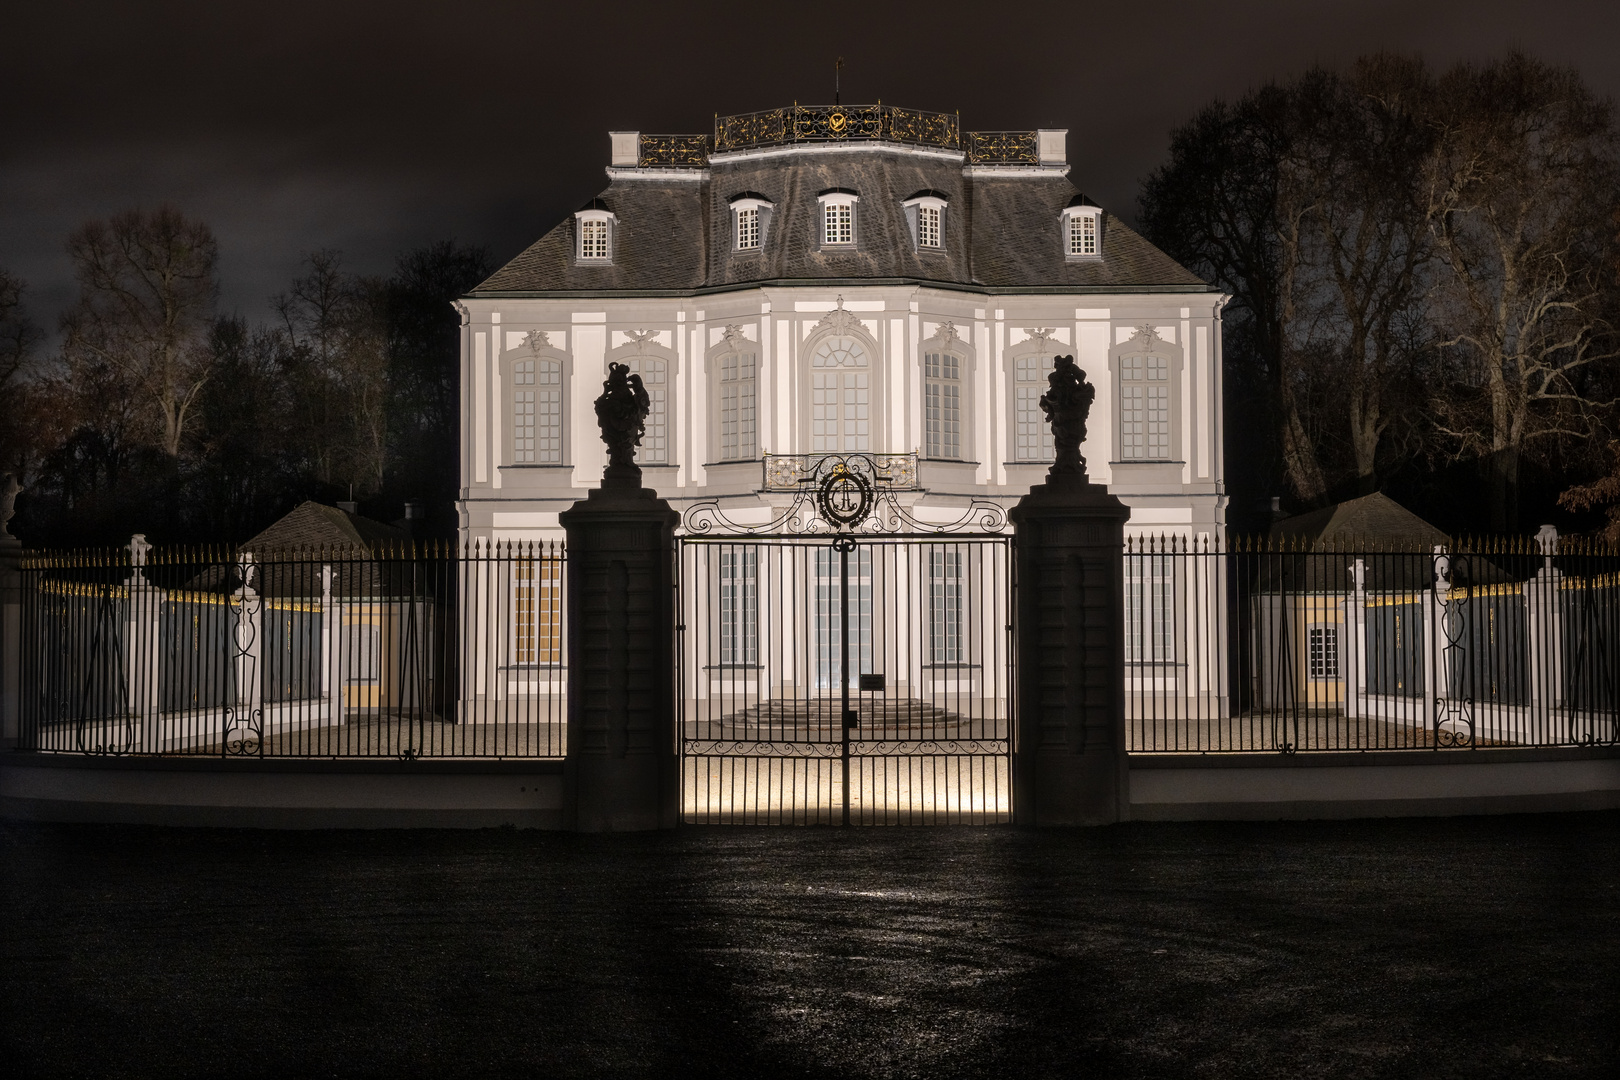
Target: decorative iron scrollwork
x,y
672,152
842,493
1003,148
835,123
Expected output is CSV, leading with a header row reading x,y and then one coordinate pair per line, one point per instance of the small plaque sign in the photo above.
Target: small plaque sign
x,y
871,682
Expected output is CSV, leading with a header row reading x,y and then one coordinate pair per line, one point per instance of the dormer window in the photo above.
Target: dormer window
x,y
925,216
1082,231
837,218
750,219
928,226
594,228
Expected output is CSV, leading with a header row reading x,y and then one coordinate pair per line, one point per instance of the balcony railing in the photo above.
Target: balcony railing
x,y
836,123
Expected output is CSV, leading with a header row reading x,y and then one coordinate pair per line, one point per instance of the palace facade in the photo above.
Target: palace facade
x,y
840,279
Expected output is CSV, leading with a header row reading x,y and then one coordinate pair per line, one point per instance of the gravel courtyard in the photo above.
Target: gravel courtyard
x,y
1428,948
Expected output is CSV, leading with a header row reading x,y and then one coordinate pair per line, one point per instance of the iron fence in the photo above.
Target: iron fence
x,y
1279,647
411,651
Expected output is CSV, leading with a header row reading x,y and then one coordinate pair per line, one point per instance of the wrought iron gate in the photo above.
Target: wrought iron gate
x,y
845,661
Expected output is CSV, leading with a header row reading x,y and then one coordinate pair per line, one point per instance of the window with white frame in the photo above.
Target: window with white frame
x,y
942,405
1144,407
537,611
837,218
839,223
738,409
1150,609
944,606
1032,435
928,226
537,412
925,217
595,230
747,228
1324,652
1082,234
739,606
840,397
654,372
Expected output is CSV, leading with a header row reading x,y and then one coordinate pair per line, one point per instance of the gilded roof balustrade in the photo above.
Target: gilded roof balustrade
x,y
836,123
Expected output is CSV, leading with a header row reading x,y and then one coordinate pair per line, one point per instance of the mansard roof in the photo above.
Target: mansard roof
x,y
1002,225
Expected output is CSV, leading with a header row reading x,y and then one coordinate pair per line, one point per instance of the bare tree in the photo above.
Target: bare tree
x,y
1358,159
1520,193
337,325
147,288
1219,207
19,338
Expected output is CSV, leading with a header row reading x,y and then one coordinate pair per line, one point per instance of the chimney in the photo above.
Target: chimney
x,y
626,149
348,506
1052,146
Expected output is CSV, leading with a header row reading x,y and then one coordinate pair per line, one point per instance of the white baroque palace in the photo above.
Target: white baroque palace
x,y
856,278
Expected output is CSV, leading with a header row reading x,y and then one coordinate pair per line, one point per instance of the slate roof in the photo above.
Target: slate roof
x,y
314,525
1001,233
1375,520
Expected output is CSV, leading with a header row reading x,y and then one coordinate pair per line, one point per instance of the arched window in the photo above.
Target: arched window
x,y
738,409
840,396
537,412
654,372
1032,435
942,405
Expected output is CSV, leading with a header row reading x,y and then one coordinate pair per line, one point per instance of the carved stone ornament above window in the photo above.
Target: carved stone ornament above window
x,y
537,340
839,320
947,334
1040,335
734,337
640,338
1146,334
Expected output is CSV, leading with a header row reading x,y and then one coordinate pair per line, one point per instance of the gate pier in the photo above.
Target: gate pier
x,y
1069,762
622,772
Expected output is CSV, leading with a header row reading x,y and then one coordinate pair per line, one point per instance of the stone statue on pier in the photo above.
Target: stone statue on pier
x,y
622,413
1067,403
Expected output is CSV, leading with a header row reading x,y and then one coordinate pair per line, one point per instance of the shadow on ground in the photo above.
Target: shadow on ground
x,y
1449,948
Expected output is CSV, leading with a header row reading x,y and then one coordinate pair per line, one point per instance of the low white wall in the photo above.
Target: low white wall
x,y
1384,784
282,794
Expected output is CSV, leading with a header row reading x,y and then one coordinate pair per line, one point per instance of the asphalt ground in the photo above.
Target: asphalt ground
x,y
1428,948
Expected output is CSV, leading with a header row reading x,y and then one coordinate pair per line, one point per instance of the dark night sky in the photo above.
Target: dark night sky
x,y
374,127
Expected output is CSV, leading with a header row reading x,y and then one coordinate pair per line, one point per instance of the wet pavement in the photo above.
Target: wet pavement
x,y
1433,948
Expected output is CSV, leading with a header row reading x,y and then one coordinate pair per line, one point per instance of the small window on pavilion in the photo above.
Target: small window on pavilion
x,y
1082,232
594,229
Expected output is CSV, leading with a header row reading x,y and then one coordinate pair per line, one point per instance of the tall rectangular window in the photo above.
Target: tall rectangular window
x,y
737,408
838,223
523,405
1082,234
942,405
748,228
1144,408
1150,609
654,448
593,239
739,606
1032,435
1324,658
537,611
928,226
944,606
537,412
